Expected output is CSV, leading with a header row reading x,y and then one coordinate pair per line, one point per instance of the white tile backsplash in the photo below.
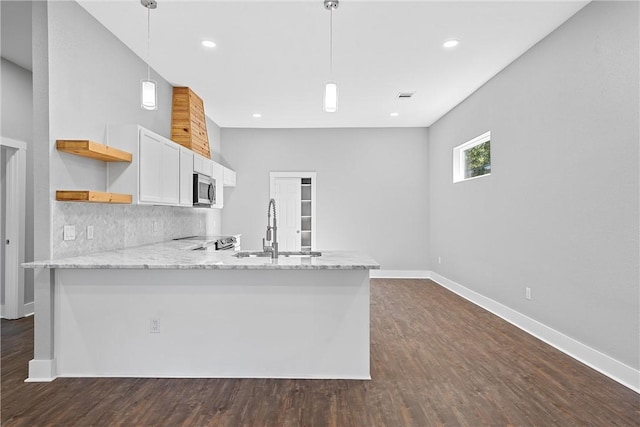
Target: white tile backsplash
x,y
123,226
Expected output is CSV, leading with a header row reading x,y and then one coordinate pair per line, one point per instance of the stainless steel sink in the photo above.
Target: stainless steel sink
x,y
284,254
304,254
252,254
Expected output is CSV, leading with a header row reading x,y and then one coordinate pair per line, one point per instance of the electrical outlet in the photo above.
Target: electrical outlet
x,y
154,326
439,260
527,293
69,232
155,226
89,232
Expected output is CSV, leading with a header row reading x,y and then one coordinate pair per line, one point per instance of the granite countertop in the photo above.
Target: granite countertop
x,y
179,254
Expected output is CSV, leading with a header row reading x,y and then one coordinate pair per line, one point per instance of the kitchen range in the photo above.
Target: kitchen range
x,y
215,243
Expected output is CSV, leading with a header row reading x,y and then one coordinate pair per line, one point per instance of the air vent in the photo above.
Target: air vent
x,y
405,95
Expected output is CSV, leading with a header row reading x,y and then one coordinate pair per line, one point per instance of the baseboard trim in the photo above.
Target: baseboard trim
x,y
28,310
612,368
189,376
399,274
41,371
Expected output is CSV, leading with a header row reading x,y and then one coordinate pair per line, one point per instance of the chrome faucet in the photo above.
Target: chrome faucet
x,y
273,245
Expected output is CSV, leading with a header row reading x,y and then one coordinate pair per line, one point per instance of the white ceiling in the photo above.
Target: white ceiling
x,y
272,57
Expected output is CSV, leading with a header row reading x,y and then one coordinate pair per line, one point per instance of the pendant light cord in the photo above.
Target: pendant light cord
x,y
148,43
331,42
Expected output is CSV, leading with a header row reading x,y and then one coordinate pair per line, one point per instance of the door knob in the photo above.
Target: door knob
x,y
298,231
8,241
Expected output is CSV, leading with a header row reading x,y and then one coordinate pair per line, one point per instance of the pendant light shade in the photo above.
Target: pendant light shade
x,y
148,87
149,95
331,87
331,97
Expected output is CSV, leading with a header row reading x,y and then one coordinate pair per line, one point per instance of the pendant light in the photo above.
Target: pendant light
x,y
148,87
331,87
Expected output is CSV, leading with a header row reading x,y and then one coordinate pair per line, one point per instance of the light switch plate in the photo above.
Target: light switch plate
x,y
89,232
154,327
69,232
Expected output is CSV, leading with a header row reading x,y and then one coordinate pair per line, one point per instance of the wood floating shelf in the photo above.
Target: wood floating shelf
x,y
92,197
92,150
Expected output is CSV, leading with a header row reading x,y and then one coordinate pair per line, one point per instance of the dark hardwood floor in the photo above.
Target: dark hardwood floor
x,y
436,359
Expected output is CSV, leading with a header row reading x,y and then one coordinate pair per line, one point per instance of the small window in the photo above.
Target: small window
x,y
472,159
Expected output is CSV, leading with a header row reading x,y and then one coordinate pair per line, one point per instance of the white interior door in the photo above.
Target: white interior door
x,y
288,196
12,207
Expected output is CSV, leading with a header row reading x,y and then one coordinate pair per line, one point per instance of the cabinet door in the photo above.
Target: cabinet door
x,y
202,165
197,163
207,168
186,177
218,172
170,173
229,178
150,190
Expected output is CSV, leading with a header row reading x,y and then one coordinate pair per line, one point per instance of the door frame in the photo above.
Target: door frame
x,y
299,174
14,226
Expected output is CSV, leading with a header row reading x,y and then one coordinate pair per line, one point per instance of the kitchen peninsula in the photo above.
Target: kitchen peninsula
x,y
166,310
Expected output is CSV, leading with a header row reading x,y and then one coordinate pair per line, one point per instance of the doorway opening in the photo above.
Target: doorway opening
x,y
12,227
295,195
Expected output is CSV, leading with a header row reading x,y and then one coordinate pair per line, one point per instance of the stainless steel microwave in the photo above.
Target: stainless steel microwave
x,y
204,190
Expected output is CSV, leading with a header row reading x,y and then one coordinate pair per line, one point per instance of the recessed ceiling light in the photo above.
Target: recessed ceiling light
x,y
257,115
451,43
394,114
208,43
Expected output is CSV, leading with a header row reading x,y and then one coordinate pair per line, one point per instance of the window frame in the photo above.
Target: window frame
x,y
458,157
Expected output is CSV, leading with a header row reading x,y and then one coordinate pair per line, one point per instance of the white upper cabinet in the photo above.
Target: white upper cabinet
x,y
150,159
229,177
218,172
202,165
161,171
153,176
186,177
170,173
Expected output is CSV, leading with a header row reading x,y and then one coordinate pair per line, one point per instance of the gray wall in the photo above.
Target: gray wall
x,y
214,133
559,214
17,104
17,123
372,187
94,80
